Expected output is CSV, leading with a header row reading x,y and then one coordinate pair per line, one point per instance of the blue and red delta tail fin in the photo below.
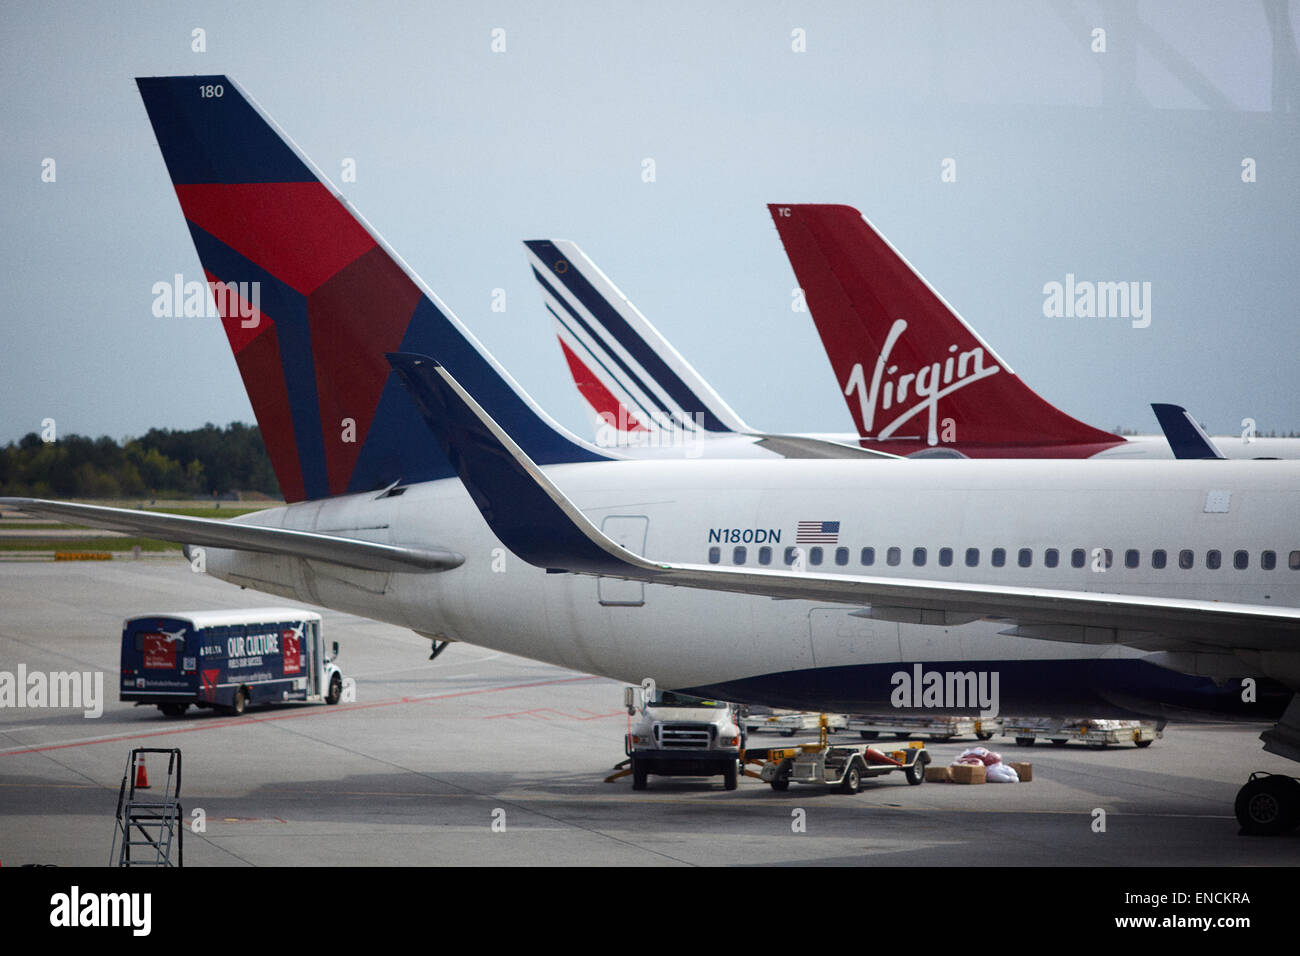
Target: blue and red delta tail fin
x,y
909,366
312,299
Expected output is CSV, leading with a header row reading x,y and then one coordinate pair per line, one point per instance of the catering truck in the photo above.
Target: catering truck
x,y
675,734
227,660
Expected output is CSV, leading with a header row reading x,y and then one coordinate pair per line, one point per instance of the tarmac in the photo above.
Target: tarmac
x,y
483,758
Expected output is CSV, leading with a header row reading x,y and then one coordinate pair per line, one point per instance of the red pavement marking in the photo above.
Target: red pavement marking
x,y
541,713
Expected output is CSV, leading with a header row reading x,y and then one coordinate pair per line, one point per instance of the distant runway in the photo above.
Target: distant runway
x,y
484,758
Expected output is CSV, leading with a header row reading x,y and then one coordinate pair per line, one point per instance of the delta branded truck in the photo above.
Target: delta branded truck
x,y
227,660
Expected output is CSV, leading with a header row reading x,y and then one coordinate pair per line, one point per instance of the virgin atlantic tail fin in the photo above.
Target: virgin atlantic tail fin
x,y
913,373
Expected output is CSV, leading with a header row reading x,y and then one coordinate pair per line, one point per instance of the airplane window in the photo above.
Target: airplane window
x,y
815,556
972,557
893,557
945,557
1268,560
765,555
738,555
1132,558
1186,559
1293,562
918,557
1213,559
1078,558
1051,557
868,557
1158,558
1240,560
789,555
715,555
841,556
999,557
1026,557
1110,556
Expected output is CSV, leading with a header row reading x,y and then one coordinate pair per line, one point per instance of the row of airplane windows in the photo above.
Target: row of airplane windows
x,y
1051,558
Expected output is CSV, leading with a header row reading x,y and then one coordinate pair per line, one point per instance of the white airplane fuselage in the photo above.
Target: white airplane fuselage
x,y
675,510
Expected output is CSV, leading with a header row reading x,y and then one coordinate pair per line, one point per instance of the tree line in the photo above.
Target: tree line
x,y
198,463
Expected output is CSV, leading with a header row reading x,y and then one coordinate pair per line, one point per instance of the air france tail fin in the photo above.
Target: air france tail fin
x,y
913,373
312,298
629,374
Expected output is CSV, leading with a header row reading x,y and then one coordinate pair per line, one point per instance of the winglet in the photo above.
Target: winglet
x,y
1186,437
523,507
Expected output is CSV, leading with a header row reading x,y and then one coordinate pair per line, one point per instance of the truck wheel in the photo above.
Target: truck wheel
x,y
868,734
1059,742
787,733
852,779
1143,743
781,782
336,689
731,776
241,701
1025,741
173,710
638,775
984,735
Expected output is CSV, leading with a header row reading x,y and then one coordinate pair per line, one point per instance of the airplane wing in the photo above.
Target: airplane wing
x,y
238,536
536,521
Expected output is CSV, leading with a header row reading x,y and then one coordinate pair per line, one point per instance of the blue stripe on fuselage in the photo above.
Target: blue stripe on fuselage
x,y
1121,688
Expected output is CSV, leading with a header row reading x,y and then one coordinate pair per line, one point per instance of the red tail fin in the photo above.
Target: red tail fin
x,y
914,374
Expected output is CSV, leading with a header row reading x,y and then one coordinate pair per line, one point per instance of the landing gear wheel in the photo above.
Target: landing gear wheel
x,y
639,775
336,690
1026,741
1268,805
852,779
731,776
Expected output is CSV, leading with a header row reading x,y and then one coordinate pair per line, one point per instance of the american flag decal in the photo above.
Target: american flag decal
x,y
817,532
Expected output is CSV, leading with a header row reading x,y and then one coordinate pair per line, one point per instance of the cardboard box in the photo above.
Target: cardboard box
x,y
1024,770
966,773
935,774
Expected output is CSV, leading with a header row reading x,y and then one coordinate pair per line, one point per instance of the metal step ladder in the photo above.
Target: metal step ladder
x,y
148,823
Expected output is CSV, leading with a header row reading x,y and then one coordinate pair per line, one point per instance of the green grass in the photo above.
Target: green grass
x,y
85,544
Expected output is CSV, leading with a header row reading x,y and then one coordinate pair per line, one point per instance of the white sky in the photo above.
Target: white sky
x,y
1117,166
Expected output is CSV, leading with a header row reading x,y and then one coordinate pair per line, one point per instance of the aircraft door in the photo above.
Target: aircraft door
x,y
630,532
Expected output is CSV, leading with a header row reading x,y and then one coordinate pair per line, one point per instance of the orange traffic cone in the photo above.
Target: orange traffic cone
x,y
141,775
